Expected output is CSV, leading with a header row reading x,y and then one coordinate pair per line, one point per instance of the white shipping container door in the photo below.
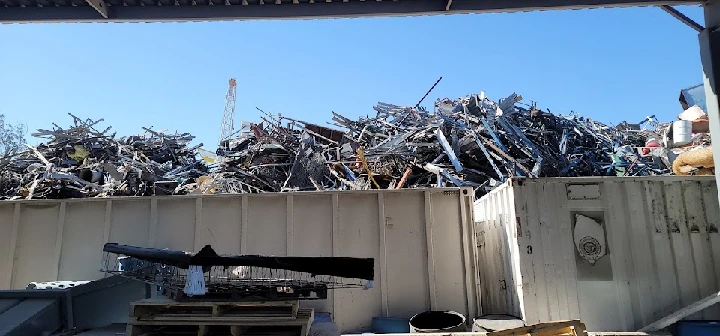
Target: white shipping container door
x,y
662,249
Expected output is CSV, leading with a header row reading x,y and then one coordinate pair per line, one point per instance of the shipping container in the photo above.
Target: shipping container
x,y
421,240
617,253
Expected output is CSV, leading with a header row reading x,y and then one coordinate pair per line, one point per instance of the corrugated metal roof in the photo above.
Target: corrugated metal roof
x,y
22,11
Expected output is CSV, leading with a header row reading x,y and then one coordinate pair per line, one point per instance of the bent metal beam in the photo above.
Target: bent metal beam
x,y
26,11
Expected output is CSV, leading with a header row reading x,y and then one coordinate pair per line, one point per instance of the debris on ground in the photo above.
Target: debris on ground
x,y
471,141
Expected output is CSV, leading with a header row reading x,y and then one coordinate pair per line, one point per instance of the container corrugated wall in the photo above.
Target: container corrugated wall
x,y
421,240
662,241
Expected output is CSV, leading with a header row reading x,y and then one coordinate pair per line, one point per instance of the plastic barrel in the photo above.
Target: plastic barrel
x,y
437,321
390,325
698,328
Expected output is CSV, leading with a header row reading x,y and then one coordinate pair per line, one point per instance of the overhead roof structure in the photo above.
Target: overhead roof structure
x,y
27,11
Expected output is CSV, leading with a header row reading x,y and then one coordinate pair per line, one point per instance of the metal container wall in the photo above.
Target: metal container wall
x,y
663,249
420,240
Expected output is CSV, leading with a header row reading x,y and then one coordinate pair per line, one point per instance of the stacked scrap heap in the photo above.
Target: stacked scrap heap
x,y
471,141
82,161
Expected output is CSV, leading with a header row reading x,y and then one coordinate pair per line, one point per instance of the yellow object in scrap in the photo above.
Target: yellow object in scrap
x,y
80,153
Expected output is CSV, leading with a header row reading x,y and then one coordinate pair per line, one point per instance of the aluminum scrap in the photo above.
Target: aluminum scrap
x,y
471,141
85,161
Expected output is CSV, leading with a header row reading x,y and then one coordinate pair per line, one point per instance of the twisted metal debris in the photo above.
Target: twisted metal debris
x,y
82,161
471,141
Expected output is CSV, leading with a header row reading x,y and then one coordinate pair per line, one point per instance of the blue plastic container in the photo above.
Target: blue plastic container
x,y
390,325
321,317
698,328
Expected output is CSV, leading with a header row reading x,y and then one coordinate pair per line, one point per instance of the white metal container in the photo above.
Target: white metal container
x,y
660,235
421,240
682,133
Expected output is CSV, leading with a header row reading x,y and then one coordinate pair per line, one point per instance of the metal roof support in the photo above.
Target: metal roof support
x,y
188,10
710,59
682,17
100,6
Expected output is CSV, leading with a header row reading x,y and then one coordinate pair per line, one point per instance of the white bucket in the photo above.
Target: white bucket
x,y
682,133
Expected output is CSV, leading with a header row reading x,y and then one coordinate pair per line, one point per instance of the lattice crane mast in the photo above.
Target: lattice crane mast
x,y
227,128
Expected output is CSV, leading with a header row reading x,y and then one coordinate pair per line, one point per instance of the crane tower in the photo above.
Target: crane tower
x,y
227,128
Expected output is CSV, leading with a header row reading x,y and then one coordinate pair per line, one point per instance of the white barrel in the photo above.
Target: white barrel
x,y
490,323
682,133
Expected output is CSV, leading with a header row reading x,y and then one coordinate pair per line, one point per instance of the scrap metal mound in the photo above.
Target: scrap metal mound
x,y
471,141
82,161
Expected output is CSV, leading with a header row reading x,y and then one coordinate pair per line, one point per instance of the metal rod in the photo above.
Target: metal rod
x,y
683,18
428,92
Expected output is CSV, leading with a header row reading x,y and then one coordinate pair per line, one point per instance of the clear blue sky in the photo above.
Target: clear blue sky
x,y
608,64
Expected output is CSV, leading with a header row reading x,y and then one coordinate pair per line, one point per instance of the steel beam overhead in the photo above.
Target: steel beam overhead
x,y
100,6
683,18
14,11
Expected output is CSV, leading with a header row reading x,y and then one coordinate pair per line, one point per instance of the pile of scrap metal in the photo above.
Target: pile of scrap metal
x,y
471,141
82,161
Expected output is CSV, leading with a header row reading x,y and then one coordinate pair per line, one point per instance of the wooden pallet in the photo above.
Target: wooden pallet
x,y
559,328
222,325
164,309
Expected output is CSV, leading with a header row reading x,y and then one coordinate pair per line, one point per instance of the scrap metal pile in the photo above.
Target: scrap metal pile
x,y
82,161
471,141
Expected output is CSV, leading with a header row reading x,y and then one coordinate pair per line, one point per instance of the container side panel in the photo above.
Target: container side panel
x,y
130,222
6,227
697,226
36,239
492,245
221,224
509,237
666,298
642,254
535,252
448,253
525,274
680,238
312,228
267,225
176,225
512,273
500,254
554,277
406,246
83,241
603,317
566,247
712,213
483,275
598,305
562,247
359,237
312,235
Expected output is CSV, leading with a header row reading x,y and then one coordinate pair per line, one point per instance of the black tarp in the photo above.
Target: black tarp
x,y
345,267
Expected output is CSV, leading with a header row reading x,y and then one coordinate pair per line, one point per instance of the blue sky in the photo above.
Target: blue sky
x,y
608,64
